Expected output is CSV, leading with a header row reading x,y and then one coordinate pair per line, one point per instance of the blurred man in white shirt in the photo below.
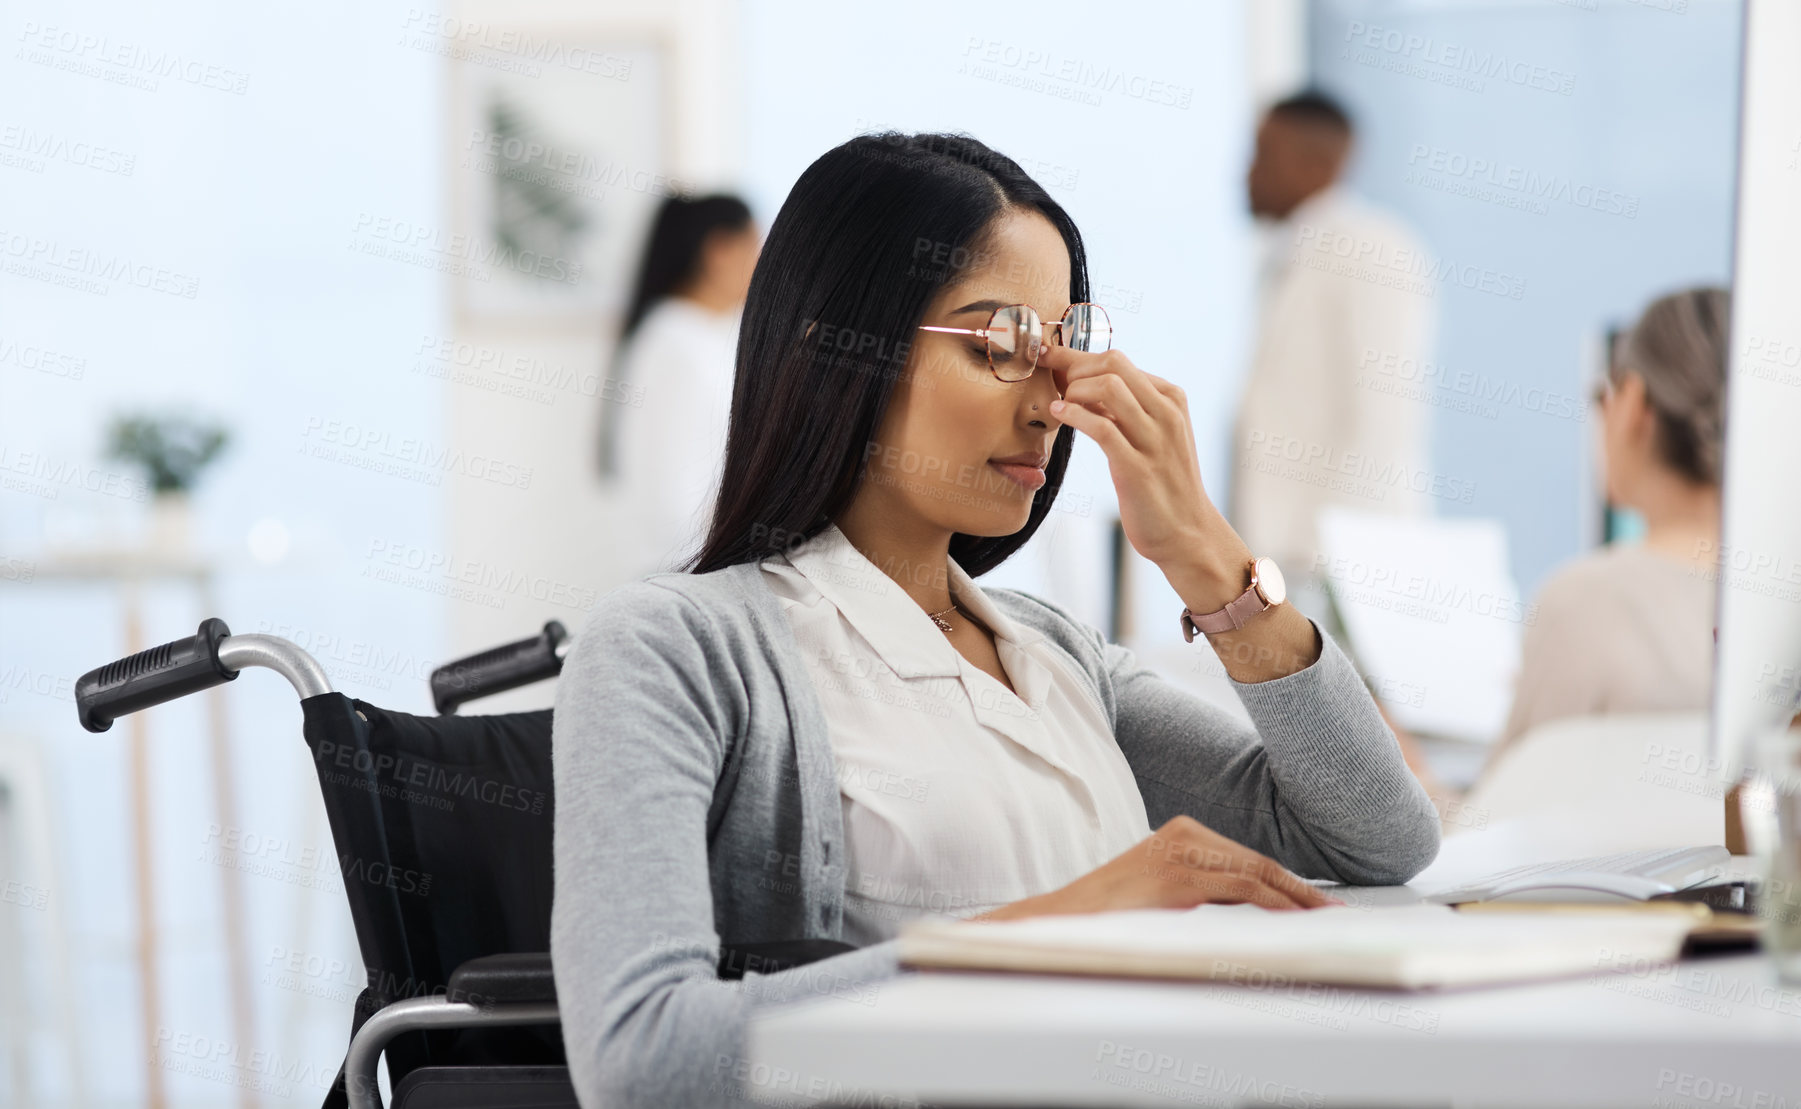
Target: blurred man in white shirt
x,y
1345,318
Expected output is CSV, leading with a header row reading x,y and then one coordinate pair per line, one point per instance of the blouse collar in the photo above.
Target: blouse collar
x,y
893,623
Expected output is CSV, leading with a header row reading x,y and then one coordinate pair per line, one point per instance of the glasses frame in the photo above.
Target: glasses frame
x,y
987,333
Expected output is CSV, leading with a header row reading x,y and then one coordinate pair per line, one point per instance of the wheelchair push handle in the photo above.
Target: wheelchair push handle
x,y
152,677
499,669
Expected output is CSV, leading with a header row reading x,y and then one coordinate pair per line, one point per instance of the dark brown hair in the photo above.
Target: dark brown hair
x,y
860,245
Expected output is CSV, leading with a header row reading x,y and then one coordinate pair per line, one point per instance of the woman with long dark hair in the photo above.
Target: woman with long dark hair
x,y
825,726
662,450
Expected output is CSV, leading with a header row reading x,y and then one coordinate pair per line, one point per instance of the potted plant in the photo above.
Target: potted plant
x,y
172,450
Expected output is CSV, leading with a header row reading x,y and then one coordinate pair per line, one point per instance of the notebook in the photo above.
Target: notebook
x,y
1410,947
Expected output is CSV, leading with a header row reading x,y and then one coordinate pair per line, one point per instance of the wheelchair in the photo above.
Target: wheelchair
x,y
442,830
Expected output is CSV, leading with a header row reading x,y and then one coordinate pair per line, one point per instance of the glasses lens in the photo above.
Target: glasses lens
x,y
1015,336
1086,327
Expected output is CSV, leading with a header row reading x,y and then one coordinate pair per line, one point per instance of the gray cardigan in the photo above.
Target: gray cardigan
x,y
696,802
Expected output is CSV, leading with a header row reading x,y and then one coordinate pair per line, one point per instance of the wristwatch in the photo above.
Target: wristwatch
x,y
1267,589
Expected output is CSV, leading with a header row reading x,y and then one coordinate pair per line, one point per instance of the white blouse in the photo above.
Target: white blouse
x,y
959,795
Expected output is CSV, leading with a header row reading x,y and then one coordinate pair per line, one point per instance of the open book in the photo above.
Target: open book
x,y
1411,947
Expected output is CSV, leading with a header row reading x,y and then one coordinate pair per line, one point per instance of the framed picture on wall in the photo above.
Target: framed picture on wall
x,y
558,142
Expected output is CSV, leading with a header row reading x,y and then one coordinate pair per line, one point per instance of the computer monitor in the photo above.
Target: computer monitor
x,y
1759,561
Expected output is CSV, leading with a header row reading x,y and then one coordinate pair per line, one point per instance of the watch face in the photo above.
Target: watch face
x,y
1269,581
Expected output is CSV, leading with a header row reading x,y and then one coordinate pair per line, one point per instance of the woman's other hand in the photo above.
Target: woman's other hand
x,y
1183,864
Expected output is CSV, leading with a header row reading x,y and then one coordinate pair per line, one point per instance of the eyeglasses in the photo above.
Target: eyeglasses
x,y
1015,336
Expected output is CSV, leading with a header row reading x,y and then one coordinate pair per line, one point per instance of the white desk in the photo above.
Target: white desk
x,y
1720,1032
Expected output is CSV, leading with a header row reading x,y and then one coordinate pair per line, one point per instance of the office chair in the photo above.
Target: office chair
x,y
442,828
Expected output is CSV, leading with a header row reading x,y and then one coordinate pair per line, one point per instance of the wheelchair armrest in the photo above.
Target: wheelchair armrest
x,y
361,1088
504,980
768,958
527,977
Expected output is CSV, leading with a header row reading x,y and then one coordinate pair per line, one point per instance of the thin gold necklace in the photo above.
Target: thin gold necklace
x,y
938,618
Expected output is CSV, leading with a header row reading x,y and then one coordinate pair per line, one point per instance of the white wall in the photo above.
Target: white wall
x,y
554,536
253,195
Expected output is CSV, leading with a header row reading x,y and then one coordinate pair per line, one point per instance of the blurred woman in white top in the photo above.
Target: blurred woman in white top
x,y
1629,628
661,452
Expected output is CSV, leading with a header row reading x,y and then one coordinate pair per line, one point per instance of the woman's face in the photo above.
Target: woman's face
x,y
729,258
933,460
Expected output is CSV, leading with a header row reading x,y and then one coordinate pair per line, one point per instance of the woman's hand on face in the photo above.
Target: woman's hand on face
x,y
1140,422
1183,865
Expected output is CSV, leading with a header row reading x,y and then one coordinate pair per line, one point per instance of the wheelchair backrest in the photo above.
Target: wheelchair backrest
x,y
442,827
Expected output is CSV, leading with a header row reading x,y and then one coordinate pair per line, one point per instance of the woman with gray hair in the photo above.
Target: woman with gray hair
x,y
1629,628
